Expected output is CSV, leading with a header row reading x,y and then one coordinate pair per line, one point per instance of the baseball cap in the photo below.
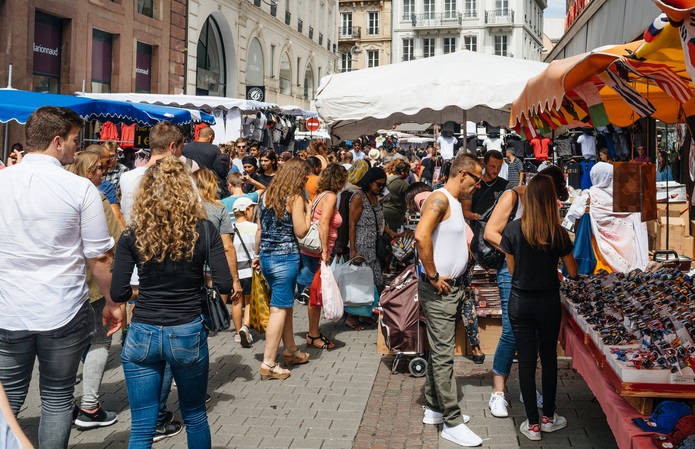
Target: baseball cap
x,y
684,428
242,203
664,418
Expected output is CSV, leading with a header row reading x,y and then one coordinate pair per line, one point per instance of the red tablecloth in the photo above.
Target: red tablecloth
x,y
618,412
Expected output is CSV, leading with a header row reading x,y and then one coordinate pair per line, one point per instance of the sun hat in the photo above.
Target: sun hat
x,y
664,418
241,204
374,154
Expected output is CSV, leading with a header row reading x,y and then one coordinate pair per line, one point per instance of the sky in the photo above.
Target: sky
x,y
556,8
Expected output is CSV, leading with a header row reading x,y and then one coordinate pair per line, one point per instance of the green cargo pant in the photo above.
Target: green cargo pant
x,y
441,312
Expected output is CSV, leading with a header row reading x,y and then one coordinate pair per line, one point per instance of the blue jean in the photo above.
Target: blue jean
x,y
147,351
280,272
59,352
310,265
506,347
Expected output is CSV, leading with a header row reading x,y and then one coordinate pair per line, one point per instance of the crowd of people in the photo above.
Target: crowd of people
x,y
143,235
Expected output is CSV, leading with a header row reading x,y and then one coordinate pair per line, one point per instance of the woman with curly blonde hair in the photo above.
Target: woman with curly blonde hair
x,y
166,238
284,216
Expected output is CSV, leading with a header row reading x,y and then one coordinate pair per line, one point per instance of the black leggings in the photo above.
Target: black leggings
x,y
535,319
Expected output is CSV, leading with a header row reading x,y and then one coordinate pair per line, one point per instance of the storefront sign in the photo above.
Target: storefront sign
x,y
206,79
47,42
255,93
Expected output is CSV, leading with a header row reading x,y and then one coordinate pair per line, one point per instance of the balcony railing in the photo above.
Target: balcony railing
x,y
350,32
288,16
320,38
470,14
499,16
439,19
311,32
300,25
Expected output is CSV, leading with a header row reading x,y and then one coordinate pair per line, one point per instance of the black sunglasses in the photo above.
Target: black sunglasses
x,y
475,178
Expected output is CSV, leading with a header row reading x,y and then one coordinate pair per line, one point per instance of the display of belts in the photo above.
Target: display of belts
x,y
639,327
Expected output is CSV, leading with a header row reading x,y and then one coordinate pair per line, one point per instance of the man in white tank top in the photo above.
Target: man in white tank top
x,y
441,243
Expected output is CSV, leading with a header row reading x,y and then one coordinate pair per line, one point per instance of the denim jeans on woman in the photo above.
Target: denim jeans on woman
x,y
280,271
59,352
535,318
506,347
306,275
147,350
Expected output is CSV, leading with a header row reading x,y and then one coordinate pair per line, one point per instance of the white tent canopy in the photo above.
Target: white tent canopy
x,y
436,89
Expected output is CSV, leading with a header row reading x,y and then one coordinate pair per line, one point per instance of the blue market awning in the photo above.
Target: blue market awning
x,y
19,105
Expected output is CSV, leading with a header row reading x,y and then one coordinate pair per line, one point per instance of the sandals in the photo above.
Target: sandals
x,y
367,321
273,371
323,343
295,357
353,324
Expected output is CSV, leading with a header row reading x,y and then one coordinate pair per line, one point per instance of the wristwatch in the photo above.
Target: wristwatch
x,y
434,278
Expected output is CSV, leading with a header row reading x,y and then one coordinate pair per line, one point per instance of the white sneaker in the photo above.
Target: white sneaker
x,y
237,338
498,405
533,432
461,435
432,417
551,425
245,337
539,399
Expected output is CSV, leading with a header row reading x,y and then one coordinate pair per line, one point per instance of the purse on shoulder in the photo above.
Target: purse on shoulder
x,y
311,242
216,316
483,252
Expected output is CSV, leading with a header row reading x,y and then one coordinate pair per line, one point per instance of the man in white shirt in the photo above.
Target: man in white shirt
x,y
441,291
357,152
51,227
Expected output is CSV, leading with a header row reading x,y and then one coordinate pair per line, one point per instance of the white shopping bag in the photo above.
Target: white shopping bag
x,y
330,292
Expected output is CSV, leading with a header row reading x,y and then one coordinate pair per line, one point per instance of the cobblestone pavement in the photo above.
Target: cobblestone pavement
x,y
343,398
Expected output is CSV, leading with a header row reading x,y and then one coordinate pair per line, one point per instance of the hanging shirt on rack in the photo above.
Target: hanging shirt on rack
x,y
109,131
588,143
586,170
541,148
127,135
574,174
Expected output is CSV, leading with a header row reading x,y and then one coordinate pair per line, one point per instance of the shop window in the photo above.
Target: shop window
x,y
48,40
210,65
102,54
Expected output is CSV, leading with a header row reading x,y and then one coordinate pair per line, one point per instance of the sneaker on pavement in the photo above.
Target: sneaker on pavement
x,y
461,435
498,405
539,399
166,430
98,418
303,298
432,417
532,432
244,337
237,338
557,422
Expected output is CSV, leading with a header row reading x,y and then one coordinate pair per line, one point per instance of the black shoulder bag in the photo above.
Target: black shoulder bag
x,y
483,252
216,316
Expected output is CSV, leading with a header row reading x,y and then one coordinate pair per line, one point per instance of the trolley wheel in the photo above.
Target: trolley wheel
x,y
417,367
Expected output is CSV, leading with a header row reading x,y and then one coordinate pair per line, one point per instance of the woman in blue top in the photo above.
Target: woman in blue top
x,y
285,215
663,169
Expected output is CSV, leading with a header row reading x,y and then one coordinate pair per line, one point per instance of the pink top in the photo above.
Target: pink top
x,y
332,229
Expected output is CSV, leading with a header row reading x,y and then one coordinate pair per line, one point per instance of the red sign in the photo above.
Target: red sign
x,y
312,124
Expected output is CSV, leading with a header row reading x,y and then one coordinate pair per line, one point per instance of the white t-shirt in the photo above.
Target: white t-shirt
x,y
247,231
51,222
446,147
129,182
357,155
494,143
504,171
588,143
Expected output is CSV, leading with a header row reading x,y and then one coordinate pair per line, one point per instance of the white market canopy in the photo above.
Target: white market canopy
x,y
436,89
207,103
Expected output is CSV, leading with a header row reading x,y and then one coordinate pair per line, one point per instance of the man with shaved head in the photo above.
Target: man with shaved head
x,y
209,156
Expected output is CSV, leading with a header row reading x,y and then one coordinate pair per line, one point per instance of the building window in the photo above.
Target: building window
x,y
48,40
449,9
428,9
372,58
449,45
309,83
143,68
346,24
373,23
146,8
285,75
408,50
501,45
471,9
102,44
428,47
470,43
345,62
408,9
210,65
502,6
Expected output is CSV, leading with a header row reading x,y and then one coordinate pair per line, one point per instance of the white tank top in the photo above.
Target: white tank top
x,y
449,241
519,206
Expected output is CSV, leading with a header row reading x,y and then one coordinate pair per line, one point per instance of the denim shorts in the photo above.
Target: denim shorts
x,y
280,272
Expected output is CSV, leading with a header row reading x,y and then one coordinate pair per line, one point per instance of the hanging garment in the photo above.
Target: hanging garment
x,y
127,135
232,129
109,131
586,174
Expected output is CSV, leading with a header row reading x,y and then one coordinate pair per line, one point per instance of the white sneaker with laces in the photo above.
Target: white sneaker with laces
x,y
461,435
557,422
539,399
237,338
432,417
498,405
532,432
